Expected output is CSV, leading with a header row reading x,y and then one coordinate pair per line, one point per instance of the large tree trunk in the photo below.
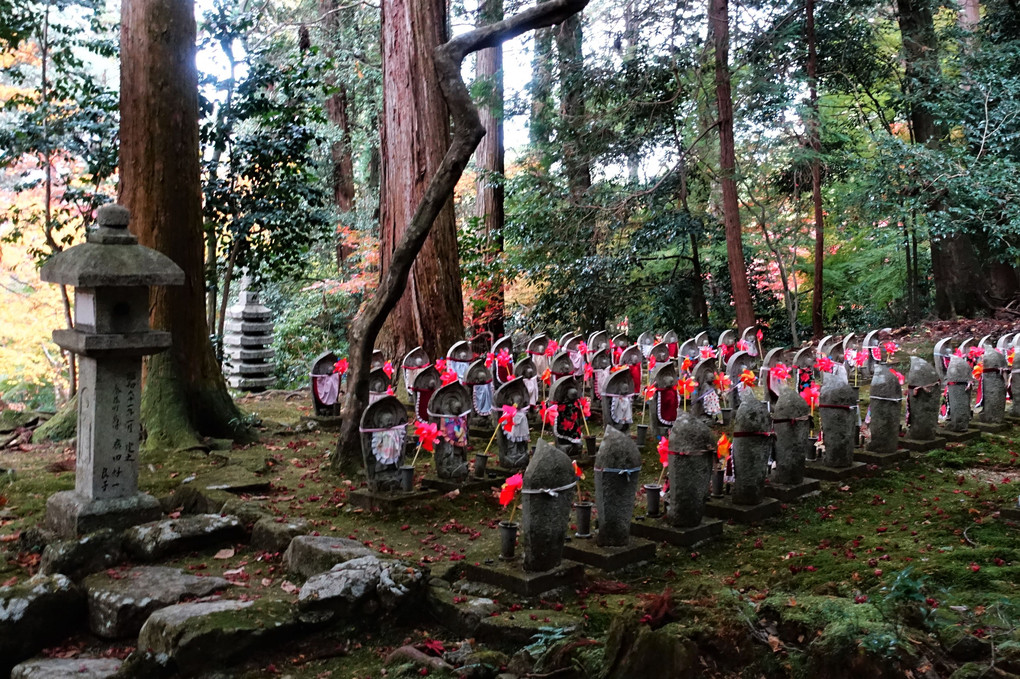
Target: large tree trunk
x,y
573,123
489,160
415,135
184,394
718,28
337,106
468,131
815,134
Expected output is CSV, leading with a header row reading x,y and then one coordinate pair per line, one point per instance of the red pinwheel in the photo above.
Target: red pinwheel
x,y
1010,355
686,387
860,358
958,352
585,405
651,363
428,434
551,348
510,488
507,418
649,392
899,375
340,367
706,351
722,447
441,365
741,345
448,377
588,372
578,472
891,348
548,413
779,371
810,394
759,335
389,390
686,364
388,369
824,364
489,358
663,450
582,347
975,352
722,381
547,377
748,379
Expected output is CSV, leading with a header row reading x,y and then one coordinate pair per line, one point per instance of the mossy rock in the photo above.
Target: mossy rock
x,y
13,419
61,427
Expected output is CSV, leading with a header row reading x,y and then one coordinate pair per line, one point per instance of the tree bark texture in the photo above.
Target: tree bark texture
x,y
489,192
184,393
718,24
468,131
540,125
415,136
337,107
815,132
569,42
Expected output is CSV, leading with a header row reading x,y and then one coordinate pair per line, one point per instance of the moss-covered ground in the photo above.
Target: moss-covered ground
x,y
885,565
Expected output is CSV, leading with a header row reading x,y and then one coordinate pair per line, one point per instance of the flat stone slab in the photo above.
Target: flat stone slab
x,y
274,534
918,446
387,502
69,514
185,534
83,556
609,558
825,473
121,601
881,459
990,427
960,436
364,584
658,530
309,555
461,614
1011,513
727,511
513,630
56,668
785,492
191,638
233,479
510,576
471,484
35,613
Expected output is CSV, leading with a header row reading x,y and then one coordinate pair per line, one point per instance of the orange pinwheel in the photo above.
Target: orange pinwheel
x,y
1010,355
510,488
686,364
578,472
978,371
722,448
507,418
722,381
547,377
748,379
428,434
649,392
663,450
686,386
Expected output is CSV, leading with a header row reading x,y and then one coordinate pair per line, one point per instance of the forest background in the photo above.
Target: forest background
x,y
869,178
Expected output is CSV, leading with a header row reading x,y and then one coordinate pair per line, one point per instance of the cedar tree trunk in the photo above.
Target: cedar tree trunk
x,y
815,133
184,394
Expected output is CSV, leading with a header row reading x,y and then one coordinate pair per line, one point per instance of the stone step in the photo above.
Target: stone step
x,y
310,555
59,668
35,613
186,534
362,585
83,556
121,601
196,637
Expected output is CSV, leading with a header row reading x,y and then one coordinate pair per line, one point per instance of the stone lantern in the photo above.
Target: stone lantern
x,y
111,274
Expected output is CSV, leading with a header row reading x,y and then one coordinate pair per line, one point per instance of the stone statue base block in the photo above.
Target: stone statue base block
x,y
971,434
1011,513
990,427
658,530
510,576
386,502
785,492
70,515
471,484
825,473
609,558
881,459
322,422
918,446
726,510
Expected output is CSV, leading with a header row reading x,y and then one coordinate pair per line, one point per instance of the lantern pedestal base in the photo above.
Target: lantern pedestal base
x,y
726,510
826,473
918,446
881,459
791,492
510,576
609,558
658,530
70,515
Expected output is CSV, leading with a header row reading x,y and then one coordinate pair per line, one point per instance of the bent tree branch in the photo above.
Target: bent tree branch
x,y
467,132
